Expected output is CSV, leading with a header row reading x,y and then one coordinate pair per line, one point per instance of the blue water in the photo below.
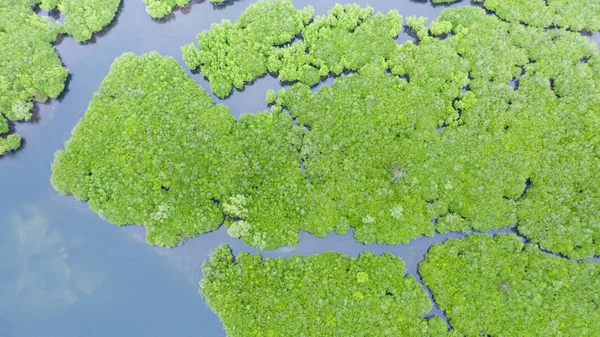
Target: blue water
x,y
65,272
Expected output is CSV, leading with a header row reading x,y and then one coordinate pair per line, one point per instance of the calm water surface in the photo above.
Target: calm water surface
x,y
64,272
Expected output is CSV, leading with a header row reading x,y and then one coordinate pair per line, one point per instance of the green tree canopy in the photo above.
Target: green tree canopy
x,y
149,150
475,126
30,69
328,294
576,15
348,38
498,286
160,8
84,17
231,54
153,149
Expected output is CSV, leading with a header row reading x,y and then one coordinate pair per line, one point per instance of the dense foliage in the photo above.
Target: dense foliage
x,y
29,66
10,143
449,138
160,8
349,37
480,123
149,150
202,166
576,15
231,54
498,286
82,17
271,200
475,127
541,133
329,294
30,69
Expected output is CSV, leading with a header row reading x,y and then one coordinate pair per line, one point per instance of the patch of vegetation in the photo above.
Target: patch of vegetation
x,y
476,125
537,136
160,8
149,150
10,143
348,38
328,294
232,54
153,149
30,69
82,17
448,138
270,200
498,286
576,15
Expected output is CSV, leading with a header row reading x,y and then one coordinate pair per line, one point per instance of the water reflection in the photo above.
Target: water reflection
x,y
54,15
40,280
5,328
65,272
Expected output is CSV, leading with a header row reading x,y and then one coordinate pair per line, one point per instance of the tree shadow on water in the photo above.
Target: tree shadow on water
x,y
187,8
184,10
222,5
448,4
66,89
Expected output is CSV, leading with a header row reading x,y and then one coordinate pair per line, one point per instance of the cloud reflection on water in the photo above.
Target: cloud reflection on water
x,y
37,277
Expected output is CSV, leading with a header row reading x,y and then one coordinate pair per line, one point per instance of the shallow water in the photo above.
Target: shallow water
x,y
66,272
